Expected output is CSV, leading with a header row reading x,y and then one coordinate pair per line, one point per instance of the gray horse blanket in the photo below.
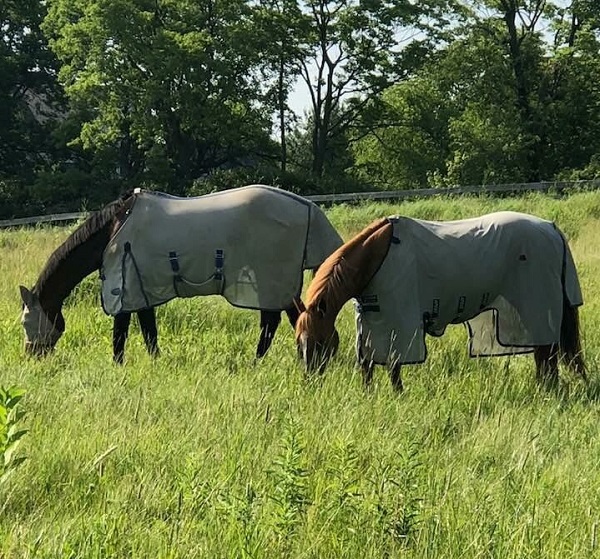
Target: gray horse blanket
x,y
504,275
248,244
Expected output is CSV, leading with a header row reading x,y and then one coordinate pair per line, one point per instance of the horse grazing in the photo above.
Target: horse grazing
x,y
509,277
248,244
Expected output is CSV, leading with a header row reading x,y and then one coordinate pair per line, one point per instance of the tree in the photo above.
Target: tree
x,y
569,93
283,33
29,93
511,103
410,144
170,84
486,140
356,52
454,123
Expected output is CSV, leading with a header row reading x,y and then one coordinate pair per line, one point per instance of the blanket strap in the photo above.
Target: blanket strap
x,y
368,303
219,260
174,264
127,252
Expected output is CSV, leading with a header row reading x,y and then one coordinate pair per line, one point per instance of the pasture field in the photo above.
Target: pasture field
x,y
207,453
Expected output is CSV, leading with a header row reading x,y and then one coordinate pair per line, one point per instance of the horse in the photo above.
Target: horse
x,y
509,277
248,244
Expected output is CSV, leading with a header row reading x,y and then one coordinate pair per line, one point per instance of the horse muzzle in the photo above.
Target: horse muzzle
x,y
316,355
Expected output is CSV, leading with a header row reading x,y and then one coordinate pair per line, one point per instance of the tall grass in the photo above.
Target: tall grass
x,y
207,453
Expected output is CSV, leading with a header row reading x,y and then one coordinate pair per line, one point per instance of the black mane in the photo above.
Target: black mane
x,y
94,224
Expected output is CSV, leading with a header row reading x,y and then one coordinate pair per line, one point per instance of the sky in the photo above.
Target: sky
x,y
299,100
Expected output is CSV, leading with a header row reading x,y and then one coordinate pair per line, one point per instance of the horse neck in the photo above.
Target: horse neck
x,y
359,265
339,297
54,287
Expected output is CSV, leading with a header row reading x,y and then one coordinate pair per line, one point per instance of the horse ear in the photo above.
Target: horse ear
x,y
29,298
322,307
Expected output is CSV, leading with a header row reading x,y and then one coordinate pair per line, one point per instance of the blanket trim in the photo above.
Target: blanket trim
x,y
127,251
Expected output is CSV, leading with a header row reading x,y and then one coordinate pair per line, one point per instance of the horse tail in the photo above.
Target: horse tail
x,y
570,339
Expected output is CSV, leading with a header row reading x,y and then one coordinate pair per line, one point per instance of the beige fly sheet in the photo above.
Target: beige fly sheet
x,y
248,244
502,274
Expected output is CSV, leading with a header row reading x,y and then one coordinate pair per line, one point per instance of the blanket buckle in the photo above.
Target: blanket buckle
x,y
174,264
219,261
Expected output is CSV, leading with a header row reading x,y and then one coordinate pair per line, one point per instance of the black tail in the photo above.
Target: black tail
x,y
570,340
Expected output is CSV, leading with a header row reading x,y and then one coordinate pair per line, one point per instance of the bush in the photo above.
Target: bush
x,y
293,181
17,200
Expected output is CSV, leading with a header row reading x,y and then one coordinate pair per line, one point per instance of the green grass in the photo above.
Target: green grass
x,y
207,453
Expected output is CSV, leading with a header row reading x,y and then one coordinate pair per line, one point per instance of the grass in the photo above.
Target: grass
x,y
207,453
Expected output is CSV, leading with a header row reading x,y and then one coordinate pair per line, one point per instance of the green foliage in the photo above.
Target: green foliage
x,y
397,505
17,199
173,95
11,434
233,178
29,94
498,104
290,492
171,80
486,148
293,181
357,54
411,150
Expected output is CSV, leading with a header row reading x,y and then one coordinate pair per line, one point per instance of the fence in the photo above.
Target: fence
x,y
381,195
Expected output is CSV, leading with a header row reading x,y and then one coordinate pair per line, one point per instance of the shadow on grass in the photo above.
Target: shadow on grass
x,y
591,391
575,391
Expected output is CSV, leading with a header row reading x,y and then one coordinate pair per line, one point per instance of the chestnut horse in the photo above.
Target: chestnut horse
x,y
467,288
265,233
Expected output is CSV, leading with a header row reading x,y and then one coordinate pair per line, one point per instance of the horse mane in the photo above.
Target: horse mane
x,y
334,272
93,224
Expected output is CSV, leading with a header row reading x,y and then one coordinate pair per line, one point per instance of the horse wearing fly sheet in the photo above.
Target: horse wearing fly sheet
x,y
509,277
249,245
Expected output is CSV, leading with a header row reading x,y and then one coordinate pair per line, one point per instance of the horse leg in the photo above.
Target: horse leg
x,y
269,321
120,331
293,313
147,320
546,364
570,342
395,377
367,367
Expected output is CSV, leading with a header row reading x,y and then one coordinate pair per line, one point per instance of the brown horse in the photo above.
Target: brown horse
x,y
252,244
509,277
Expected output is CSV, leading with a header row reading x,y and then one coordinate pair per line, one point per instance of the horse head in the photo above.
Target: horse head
x,y
316,337
41,333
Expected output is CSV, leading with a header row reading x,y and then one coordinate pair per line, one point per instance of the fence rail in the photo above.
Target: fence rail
x,y
381,195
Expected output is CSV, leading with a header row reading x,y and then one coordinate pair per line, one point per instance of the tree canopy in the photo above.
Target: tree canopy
x,y
101,95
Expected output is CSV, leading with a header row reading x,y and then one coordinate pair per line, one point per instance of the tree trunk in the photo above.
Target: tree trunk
x,y
319,145
281,103
517,60
522,101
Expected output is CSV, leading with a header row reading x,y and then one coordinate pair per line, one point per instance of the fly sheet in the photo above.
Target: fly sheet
x,y
502,274
248,244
